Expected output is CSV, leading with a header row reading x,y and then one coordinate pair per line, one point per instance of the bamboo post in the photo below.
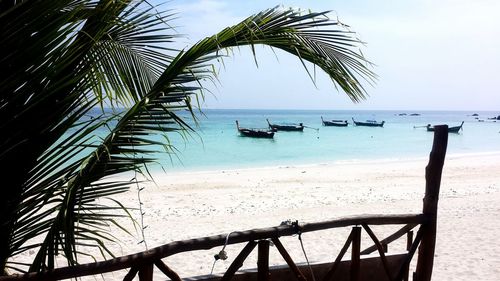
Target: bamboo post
x,y
355,253
263,261
433,173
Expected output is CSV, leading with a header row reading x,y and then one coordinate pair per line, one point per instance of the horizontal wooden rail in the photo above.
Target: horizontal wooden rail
x,y
153,255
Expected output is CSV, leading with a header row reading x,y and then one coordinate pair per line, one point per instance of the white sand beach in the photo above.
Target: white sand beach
x,y
196,204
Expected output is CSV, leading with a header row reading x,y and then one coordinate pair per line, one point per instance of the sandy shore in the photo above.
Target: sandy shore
x,y
188,205
196,204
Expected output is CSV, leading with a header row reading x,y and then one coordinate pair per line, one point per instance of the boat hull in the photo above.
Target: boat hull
x,y
454,129
334,124
256,134
369,124
286,128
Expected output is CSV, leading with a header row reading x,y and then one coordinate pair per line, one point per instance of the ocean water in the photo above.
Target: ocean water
x,y
217,144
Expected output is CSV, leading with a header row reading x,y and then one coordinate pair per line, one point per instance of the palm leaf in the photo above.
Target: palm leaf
x,y
51,91
156,86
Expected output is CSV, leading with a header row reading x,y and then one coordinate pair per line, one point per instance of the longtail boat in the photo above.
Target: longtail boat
x,y
334,123
254,133
286,127
454,129
369,123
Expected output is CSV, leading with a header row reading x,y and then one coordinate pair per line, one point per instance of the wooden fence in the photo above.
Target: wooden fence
x,y
382,267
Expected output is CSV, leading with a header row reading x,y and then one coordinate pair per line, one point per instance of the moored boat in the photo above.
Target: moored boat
x,y
453,129
334,123
368,123
286,127
254,133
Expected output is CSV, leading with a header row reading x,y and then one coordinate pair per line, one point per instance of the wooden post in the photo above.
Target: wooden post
x,y
409,240
355,253
146,273
130,275
263,261
293,267
331,272
433,173
167,271
238,261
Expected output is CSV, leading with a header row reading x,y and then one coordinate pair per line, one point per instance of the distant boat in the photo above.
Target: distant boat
x,y
450,129
415,114
334,123
254,133
286,127
369,123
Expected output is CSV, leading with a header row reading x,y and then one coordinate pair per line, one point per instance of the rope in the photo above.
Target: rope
x,y
317,129
304,251
222,255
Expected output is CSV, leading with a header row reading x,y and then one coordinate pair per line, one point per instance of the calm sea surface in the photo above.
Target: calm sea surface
x,y
218,145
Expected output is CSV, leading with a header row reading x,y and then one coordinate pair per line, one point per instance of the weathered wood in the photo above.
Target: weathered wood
x,y
365,219
263,261
167,271
131,274
409,243
403,270
238,261
433,173
146,272
297,273
380,249
355,253
371,270
336,263
389,239
210,242
409,240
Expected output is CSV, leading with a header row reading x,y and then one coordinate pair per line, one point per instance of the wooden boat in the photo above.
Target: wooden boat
x,y
369,123
334,123
255,133
286,127
454,129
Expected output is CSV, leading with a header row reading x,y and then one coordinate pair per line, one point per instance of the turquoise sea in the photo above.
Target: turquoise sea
x,y
217,144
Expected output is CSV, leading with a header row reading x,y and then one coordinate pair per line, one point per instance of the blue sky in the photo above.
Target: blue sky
x,y
430,55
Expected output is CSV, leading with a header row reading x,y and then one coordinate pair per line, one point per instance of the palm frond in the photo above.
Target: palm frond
x,y
119,59
70,48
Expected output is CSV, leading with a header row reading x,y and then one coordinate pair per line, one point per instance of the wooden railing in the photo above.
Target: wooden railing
x,y
143,263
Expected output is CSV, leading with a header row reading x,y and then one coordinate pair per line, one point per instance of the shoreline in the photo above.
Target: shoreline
x,y
203,170
190,205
